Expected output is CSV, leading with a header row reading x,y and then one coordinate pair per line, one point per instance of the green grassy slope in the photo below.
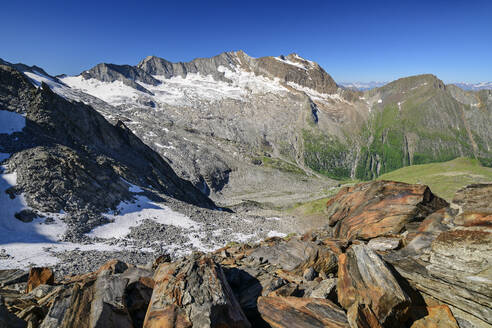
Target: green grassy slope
x,y
445,178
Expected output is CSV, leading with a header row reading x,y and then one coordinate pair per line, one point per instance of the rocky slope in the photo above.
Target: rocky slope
x,y
68,157
432,271
76,189
242,121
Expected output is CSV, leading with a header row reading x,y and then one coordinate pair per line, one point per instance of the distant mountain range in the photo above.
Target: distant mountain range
x,y
220,121
475,86
363,86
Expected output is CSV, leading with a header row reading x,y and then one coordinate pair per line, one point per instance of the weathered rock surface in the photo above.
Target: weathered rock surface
x,y
193,292
39,276
438,316
364,279
12,276
295,312
450,257
106,299
384,244
379,208
297,256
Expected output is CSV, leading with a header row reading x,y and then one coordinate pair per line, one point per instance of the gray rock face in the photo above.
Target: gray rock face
x,y
12,276
124,73
204,66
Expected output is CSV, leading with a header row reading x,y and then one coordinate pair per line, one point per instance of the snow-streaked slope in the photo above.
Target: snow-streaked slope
x,y
115,93
11,122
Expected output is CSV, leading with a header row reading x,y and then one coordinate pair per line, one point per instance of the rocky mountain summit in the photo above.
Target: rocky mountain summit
x,y
420,263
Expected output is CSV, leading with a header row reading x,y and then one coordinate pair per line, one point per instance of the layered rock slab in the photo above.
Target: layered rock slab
x,y
296,256
295,312
106,299
450,257
193,292
365,281
379,208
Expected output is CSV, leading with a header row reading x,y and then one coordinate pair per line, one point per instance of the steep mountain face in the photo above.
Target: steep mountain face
x,y
235,125
69,158
230,122
420,120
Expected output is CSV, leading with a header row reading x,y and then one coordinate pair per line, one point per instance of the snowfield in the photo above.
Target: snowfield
x,y
131,214
179,91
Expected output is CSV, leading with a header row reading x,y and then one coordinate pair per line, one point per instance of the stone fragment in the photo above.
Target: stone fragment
x,y
193,292
365,280
39,276
12,276
439,316
295,312
326,289
297,255
309,274
384,244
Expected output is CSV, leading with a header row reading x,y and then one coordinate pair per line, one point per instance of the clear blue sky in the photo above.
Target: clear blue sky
x,y
352,40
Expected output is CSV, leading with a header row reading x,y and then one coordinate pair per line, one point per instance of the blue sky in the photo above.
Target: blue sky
x,y
351,40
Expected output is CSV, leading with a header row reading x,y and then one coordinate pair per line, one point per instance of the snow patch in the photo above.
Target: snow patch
x,y
4,156
315,95
286,61
274,233
11,122
132,214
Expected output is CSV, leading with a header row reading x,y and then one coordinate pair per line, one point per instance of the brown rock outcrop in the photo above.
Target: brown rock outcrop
x,y
193,292
112,298
438,316
39,276
296,256
366,283
296,312
379,208
450,257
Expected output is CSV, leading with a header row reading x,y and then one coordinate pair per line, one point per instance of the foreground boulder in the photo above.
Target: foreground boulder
x,y
299,312
379,208
297,255
368,290
193,292
450,258
107,299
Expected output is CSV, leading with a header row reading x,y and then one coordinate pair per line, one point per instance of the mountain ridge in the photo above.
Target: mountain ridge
x,y
338,132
